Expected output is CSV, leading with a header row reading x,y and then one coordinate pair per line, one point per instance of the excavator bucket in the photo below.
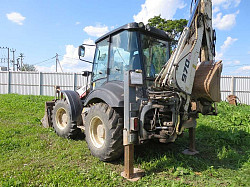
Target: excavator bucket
x,y
207,81
47,120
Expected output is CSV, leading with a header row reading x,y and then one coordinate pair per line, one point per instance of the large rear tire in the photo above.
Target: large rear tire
x,y
103,130
62,122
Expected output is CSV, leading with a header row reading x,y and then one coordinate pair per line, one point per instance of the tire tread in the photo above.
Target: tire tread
x,y
115,125
73,131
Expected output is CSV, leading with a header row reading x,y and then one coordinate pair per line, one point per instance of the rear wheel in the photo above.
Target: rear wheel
x,y
103,130
62,122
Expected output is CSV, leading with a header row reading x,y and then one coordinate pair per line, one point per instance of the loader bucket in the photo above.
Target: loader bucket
x,y
47,119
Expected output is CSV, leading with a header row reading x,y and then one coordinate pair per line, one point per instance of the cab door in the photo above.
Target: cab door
x,y
100,65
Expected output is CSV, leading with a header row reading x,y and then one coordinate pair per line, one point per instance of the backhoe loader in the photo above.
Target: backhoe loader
x,y
137,91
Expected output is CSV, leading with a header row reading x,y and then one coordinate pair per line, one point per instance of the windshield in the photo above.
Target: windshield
x,y
155,54
124,54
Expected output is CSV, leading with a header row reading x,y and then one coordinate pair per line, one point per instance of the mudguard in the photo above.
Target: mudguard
x,y
110,93
75,103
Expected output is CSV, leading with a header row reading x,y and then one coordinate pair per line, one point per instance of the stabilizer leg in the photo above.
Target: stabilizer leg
x,y
191,150
130,131
130,173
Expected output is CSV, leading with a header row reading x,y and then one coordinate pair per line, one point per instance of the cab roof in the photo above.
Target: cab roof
x,y
135,27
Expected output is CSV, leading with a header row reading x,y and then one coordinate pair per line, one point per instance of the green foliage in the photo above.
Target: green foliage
x,y
28,67
34,156
174,28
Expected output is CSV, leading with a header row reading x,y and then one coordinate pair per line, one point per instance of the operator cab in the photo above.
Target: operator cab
x,y
130,47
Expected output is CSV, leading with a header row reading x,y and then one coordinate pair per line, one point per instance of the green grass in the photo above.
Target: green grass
x,y
32,155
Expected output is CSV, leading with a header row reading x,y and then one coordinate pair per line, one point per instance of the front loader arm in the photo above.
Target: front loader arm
x,y
196,42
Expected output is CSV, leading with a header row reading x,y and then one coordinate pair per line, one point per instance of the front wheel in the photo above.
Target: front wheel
x,y
62,122
103,130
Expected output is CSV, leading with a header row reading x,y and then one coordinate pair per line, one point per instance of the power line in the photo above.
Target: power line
x,y
53,58
49,62
69,57
44,60
77,59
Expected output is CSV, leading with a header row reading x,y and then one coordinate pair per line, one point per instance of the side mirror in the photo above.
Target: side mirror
x,y
86,73
81,51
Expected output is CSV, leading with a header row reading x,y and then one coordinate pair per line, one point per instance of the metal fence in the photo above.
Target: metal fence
x,y
38,83
236,85
41,83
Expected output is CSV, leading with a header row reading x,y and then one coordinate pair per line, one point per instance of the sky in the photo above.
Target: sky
x,y
41,28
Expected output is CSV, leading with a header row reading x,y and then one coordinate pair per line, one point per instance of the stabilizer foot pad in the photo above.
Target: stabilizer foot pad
x,y
188,152
137,174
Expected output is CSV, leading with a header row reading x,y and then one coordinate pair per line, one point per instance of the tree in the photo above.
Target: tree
x,y
28,67
174,28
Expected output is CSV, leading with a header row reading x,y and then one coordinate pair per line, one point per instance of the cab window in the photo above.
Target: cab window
x,y
123,54
155,54
101,60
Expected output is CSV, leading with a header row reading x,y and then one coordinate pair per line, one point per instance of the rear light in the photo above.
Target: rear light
x,y
134,124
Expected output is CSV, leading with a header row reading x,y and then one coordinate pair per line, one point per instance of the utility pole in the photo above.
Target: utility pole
x,y
17,64
21,57
8,59
13,51
56,61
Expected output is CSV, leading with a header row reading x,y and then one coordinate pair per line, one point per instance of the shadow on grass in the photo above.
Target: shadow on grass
x,y
80,136
218,149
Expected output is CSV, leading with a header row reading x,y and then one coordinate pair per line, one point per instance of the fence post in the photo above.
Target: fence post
x,y
74,75
39,83
8,82
232,85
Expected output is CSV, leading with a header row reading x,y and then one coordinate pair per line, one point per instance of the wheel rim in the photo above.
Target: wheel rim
x,y
61,118
97,132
